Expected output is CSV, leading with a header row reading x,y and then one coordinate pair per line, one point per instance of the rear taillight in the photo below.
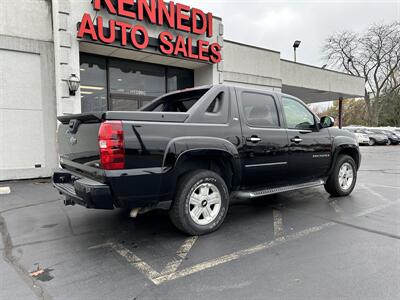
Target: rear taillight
x,y
111,143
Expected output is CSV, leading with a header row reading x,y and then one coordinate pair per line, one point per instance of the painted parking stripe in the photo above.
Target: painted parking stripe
x,y
278,223
4,190
384,186
238,254
182,252
374,193
144,267
263,246
164,276
136,261
158,278
335,206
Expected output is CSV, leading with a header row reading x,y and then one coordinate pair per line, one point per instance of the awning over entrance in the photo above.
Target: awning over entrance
x,y
312,84
313,95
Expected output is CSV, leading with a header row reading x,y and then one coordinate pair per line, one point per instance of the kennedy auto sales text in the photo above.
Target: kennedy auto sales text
x,y
175,16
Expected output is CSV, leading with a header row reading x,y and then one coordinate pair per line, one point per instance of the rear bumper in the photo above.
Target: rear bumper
x,y
83,191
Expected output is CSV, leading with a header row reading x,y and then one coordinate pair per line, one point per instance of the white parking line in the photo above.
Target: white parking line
x,y
385,186
182,252
278,223
374,193
100,246
238,254
171,272
4,190
136,261
160,277
335,206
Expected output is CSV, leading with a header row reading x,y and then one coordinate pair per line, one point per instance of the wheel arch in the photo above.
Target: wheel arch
x,y
187,154
347,149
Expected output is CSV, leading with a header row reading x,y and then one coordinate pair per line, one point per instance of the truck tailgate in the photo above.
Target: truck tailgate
x,y
77,138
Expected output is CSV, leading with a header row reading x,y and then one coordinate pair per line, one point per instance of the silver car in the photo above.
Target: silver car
x,y
374,138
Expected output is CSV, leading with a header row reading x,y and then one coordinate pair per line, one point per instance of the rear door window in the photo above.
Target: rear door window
x,y
260,110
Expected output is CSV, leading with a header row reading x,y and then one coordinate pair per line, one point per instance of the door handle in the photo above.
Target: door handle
x,y
253,139
296,140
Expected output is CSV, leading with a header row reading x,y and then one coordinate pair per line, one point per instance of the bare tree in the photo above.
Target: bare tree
x,y
374,55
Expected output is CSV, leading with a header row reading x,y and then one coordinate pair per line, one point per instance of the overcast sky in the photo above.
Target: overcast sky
x,y
276,24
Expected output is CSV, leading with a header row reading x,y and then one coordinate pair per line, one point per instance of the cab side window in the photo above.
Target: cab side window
x,y
216,104
213,111
260,110
297,116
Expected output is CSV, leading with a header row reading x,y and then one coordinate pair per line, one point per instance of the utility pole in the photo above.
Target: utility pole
x,y
340,112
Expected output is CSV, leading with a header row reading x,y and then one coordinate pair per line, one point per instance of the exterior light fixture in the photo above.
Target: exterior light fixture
x,y
73,84
296,45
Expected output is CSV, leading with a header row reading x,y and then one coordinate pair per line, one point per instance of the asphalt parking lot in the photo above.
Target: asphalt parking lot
x,y
297,245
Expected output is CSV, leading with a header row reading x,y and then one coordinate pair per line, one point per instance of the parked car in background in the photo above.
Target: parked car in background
x,y
374,138
393,131
362,138
392,137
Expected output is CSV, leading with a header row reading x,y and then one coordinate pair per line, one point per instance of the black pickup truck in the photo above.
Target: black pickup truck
x,y
192,151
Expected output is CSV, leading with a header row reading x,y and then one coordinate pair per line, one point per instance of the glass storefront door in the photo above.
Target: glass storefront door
x,y
126,85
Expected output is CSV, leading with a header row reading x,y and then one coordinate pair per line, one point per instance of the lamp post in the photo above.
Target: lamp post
x,y
296,45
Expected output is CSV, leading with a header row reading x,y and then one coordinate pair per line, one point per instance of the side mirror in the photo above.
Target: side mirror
x,y
327,121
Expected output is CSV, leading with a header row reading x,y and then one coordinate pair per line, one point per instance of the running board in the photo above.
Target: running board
x,y
270,191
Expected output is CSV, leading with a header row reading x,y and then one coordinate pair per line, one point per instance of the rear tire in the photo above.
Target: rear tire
x,y
343,178
201,202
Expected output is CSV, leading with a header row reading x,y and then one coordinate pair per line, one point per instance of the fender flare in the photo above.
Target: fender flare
x,y
343,144
180,149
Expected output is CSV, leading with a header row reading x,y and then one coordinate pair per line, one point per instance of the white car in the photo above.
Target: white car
x,y
362,138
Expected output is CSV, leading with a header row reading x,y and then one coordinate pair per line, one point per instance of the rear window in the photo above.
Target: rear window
x,y
176,102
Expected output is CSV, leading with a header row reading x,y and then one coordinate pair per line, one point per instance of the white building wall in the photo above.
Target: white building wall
x,y
27,93
250,66
311,77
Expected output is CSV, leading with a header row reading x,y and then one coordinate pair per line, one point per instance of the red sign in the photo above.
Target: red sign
x,y
175,16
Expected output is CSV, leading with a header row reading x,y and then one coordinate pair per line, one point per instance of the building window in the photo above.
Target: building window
x,y
132,84
126,85
178,79
93,83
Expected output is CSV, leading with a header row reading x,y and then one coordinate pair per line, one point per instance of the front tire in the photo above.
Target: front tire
x,y
343,178
201,202
371,142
